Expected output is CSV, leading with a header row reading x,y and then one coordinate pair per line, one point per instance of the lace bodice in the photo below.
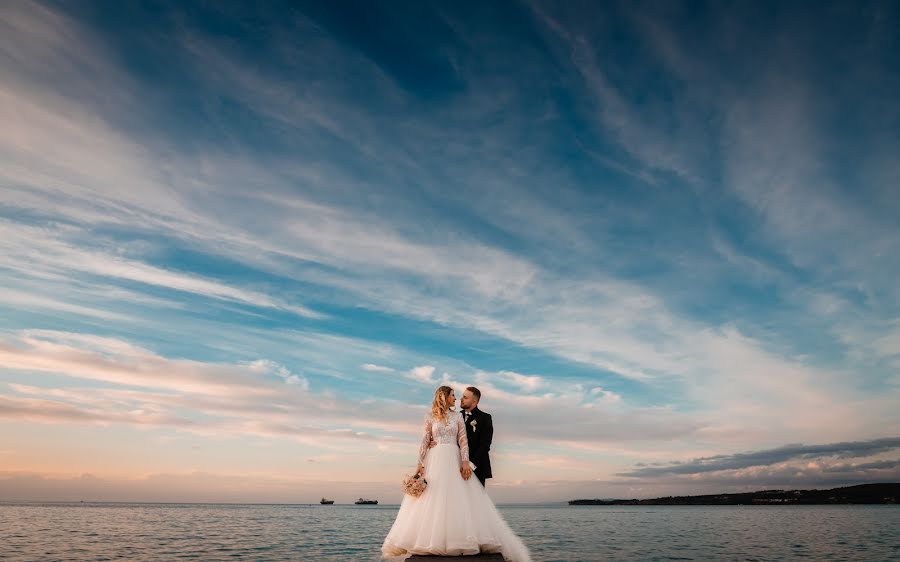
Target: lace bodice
x,y
447,432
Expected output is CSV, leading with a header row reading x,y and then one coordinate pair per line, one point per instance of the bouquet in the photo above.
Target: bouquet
x,y
414,485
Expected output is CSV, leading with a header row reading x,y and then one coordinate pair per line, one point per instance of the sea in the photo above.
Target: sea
x,y
559,533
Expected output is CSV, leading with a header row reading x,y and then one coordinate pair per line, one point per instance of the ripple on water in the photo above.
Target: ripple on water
x,y
341,533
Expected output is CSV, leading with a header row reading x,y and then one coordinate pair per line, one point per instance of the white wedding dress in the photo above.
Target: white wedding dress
x,y
453,516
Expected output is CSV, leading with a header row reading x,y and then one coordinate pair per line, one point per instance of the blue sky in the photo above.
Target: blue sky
x,y
654,235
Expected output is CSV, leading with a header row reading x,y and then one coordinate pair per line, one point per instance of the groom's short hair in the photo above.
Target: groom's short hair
x,y
475,392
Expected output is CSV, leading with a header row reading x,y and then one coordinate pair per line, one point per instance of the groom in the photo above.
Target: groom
x,y
479,432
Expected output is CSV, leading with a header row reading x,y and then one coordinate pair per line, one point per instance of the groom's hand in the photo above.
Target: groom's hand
x,y
466,471
432,444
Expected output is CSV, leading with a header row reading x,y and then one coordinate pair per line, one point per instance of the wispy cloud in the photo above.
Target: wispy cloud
x,y
117,362
617,240
36,248
29,301
265,398
376,368
528,383
777,455
422,374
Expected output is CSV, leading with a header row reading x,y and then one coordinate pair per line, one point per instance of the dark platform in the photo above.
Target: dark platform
x,y
472,558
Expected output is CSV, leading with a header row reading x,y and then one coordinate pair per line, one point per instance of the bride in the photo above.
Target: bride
x,y
454,516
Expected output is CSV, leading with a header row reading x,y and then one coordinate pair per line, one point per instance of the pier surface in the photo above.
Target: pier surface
x,y
471,558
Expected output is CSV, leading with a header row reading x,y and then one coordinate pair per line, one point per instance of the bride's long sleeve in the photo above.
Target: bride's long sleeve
x,y
426,440
462,439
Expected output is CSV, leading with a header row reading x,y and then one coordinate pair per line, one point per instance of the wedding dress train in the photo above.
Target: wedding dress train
x,y
453,516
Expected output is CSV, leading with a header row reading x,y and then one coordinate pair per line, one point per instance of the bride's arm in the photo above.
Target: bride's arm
x,y
463,441
423,448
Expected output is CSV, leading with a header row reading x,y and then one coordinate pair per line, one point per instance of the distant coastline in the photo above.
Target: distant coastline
x,y
861,494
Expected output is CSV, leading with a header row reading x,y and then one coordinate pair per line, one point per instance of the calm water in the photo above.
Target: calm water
x,y
342,533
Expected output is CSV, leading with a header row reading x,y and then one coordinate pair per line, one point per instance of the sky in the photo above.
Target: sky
x,y
242,244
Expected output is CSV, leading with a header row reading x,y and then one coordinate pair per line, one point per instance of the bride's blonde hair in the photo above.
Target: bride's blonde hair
x,y
441,403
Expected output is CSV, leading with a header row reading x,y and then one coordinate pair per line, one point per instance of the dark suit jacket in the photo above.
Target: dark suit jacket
x,y
480,436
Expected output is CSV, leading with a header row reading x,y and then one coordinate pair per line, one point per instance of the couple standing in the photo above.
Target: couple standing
x,y
454,516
